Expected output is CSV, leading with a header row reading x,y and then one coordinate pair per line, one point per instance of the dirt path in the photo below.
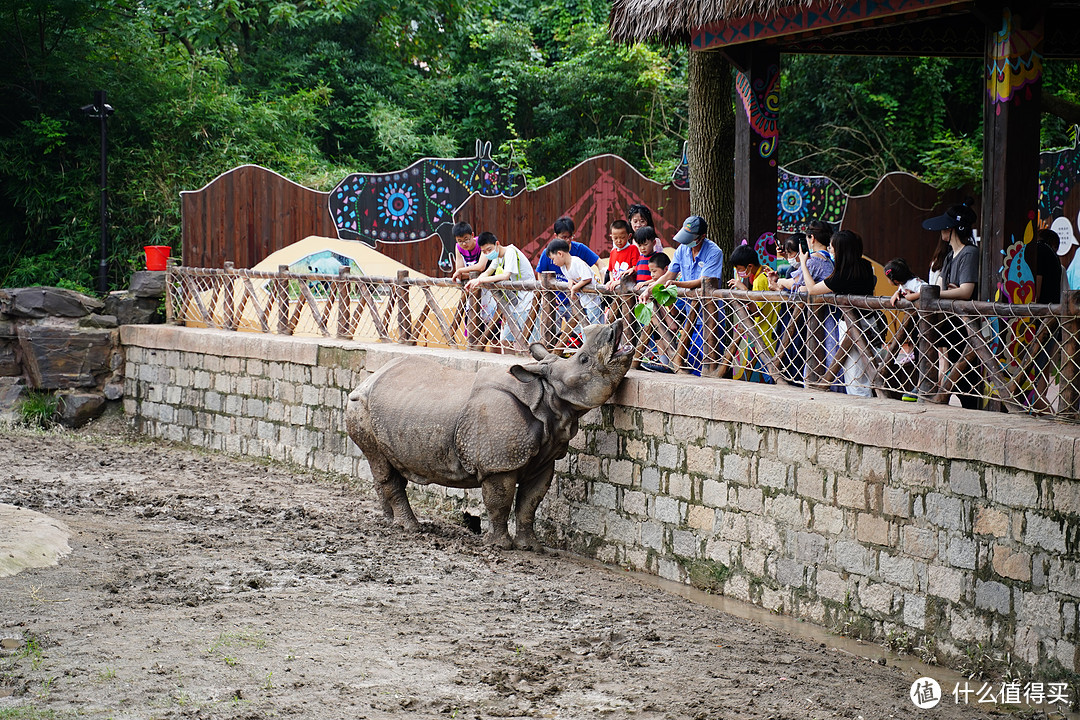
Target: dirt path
x,y
204,586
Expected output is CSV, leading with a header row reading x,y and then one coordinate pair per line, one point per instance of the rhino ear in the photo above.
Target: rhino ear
x,y
528,373
538,351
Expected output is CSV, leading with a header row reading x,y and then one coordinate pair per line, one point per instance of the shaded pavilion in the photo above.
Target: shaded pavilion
x,y
1012,38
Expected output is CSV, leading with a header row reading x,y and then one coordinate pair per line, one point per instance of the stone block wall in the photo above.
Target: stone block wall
x,y
871,517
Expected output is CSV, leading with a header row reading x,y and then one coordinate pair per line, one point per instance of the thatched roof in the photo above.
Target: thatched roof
x,y
672,21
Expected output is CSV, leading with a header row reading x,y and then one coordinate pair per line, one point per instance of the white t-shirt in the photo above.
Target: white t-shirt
x,y
514,262
578,271
913,285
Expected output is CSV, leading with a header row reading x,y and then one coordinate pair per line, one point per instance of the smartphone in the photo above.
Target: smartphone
x,y
804,245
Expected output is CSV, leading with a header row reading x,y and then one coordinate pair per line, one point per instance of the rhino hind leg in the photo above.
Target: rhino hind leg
x,y
529,494
498,492
390,486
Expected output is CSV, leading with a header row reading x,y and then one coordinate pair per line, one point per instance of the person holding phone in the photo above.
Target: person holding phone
x,y
819,265
815,244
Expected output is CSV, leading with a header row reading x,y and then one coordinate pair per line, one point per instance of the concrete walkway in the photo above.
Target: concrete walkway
x,y
30,539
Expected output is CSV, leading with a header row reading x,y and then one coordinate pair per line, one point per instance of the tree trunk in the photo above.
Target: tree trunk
x,y
711,150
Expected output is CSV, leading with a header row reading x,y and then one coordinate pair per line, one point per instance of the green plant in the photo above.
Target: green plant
x,y
26,712
239,638
708,575
39,409
46,688
663,295
926,651
31,649
977,663
898,641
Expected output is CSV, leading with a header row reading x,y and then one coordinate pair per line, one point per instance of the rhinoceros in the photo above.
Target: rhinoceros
x,y
502,431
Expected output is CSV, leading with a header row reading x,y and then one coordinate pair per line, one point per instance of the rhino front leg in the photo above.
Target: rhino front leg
x,y
498,491
390,486
529,494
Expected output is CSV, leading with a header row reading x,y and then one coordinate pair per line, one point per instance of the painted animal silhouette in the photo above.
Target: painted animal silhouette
x,y
415,203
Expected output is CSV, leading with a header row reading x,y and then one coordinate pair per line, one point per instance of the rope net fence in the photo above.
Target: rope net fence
x,y
1017,358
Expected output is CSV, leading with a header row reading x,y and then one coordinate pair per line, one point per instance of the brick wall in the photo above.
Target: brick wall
x,y
870,517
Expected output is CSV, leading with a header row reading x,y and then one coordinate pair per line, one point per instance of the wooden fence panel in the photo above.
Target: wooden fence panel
x,y
247,213
889,219
594,193
244,215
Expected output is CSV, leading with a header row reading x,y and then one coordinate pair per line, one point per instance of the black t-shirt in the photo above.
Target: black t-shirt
x,y
1043,260
861,282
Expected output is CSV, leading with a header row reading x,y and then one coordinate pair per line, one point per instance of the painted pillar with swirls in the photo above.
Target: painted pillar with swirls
x,y
757,130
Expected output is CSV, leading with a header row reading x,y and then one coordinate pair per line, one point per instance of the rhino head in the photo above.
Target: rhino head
x,y
587,378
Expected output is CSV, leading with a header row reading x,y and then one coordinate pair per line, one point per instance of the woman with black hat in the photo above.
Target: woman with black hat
x,y
960,271
959,281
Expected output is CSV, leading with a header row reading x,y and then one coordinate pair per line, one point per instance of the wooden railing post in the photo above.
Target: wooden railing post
x,y
928,320
170,290
548,332
473,315
281,289
816,357
343,307
404,313
228,299
709,336
1070,353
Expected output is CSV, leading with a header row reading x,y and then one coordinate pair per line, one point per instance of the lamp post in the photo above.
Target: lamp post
x,y
102,110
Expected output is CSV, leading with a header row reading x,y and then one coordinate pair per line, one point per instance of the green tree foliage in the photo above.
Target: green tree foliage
x,y
313,89
179,121
858,118
1061,79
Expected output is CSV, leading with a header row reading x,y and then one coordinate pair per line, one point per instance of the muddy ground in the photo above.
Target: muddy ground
x,y
206,586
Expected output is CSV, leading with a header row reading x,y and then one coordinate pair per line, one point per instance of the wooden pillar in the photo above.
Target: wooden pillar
x,y
281,289
404,312
928,321
1070,354
549,334
473,313
344,309
710,336
228,303
170,290
756,135
1011,114
816,357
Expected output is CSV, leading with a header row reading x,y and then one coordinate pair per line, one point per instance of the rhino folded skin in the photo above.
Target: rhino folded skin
x,y
421,421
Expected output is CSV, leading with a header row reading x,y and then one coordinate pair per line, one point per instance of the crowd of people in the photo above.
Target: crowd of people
x,y
819,261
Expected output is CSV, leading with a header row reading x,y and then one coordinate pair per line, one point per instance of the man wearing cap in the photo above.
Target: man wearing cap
x,y
696,257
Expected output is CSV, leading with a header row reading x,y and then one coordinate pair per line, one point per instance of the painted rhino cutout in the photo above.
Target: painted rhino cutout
x,y
415,203
417,420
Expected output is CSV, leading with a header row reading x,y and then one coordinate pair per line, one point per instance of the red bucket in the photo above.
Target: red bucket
x,y
157,256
